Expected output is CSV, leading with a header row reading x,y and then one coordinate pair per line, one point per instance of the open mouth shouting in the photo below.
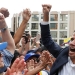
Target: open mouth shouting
x,y
72,50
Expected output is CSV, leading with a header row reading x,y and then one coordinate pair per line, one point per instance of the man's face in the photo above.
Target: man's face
x,y
1,61
72,46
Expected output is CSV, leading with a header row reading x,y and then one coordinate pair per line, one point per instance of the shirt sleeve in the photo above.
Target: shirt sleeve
x,y
44,23
7,57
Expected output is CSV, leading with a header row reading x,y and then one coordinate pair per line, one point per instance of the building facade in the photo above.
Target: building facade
x,y
62,24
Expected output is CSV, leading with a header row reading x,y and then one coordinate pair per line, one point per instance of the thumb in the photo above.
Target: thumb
x,y
8,72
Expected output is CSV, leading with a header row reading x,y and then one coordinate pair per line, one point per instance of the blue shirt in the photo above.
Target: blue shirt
x,y
7,57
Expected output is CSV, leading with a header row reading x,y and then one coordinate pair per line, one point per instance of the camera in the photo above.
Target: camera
x,y
26,37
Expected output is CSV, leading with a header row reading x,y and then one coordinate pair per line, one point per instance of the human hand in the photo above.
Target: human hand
x,y
17,67
46,10
2,21
45,58
4,11
26,15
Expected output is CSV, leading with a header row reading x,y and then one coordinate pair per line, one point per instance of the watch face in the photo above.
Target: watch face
x,y
3,29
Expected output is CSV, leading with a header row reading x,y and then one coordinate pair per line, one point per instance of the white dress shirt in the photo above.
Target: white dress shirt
x,y
68,68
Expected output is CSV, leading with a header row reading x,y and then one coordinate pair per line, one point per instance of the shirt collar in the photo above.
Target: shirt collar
x,y
71,63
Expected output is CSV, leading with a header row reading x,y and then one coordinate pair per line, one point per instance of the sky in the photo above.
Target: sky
x,y
16,6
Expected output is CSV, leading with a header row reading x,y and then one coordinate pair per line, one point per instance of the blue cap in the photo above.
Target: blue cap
x,y
28,55
33,51
3,45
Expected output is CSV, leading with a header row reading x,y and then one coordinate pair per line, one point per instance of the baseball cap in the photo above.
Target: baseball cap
x,y
31,54
3,45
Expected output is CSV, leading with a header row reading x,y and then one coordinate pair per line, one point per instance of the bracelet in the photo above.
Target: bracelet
x,y
3,29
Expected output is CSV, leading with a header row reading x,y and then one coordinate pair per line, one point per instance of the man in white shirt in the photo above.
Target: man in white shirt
x,y
65,57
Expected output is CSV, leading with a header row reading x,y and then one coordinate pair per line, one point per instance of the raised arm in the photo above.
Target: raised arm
x,y
26,16
6,36
53,47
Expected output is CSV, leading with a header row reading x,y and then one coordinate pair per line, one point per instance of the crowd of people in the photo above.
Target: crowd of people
x,y
46,58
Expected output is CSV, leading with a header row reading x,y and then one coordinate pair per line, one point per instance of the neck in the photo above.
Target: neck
x,y
73,60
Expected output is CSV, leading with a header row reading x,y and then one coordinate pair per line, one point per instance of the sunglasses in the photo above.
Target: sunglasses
x,y
36,60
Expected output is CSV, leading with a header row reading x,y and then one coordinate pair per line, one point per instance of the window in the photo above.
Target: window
x,y
54,34
33,33
35,17
63,17
55,40
53,25
41,17
61,42
63,34
54,17
63,26
34,26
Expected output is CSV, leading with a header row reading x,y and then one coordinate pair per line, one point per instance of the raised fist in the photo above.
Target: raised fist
x,y
5,12
46,8
2,21
26,14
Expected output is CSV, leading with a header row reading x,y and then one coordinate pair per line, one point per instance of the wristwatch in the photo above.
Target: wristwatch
x,y
3,29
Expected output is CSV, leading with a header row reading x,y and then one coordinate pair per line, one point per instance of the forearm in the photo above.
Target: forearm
x,y
46,17
19,32
6,37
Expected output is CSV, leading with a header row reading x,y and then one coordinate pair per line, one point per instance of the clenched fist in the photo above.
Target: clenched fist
x,y
26,15
2,21
5,12
46,8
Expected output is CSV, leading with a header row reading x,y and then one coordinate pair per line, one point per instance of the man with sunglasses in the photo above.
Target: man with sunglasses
x,y
36,63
